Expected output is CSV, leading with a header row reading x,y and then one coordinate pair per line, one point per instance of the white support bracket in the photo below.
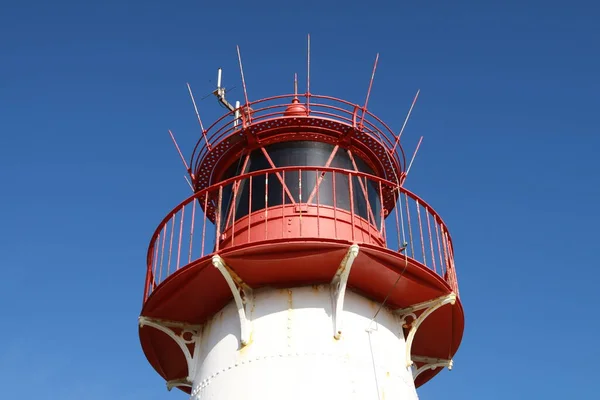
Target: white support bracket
x,y
430,363
242,293
189,334
338,288
429,306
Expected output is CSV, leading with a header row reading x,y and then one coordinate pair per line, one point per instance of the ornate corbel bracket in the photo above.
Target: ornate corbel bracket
x,y
242,294
410,312
338,288
183,335
430,363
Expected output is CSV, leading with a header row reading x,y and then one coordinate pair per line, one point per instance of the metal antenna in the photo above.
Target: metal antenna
x,y
412,159
187,168
295,84
198,115
189,183
220,91
406,119
308,75
369,91
242,73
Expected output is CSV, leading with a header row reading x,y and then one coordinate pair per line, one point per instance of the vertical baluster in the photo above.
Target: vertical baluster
x,y
382,215
446,259
266,206
430,240
236,185
157,245
437,237
351,203
180,235
318,212
398,221
174,217
204,222
192,229
421,232
218,219
283,205
300,198
162,251
335,225
249,206
410,237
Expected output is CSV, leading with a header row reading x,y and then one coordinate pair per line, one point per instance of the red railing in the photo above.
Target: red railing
x,y
328,203
323,107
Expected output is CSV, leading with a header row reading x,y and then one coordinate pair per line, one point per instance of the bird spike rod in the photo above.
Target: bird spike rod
x,y
412,159
242,74
295,84
198,115
188,182
187,168
406,120
369,91
308,73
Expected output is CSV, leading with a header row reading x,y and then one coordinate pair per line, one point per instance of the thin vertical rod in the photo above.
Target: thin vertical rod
x,y
351,203
308,76
283,207
362,118
437,237
204,223
398,222
187,168
406,120
266,206
421,233
318,208
162,251
300,199
234,206
198,116
430,240
180,236
295,85
412,247
170,246
413,157
243,80
335,231
381,213
249,206
218,218
157,245
192,230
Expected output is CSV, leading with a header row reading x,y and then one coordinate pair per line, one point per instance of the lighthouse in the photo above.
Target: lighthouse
x,y
301,266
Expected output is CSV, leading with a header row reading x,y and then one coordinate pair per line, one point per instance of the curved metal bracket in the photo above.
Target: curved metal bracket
x,y
241,294
338,288
429,307
430,363
189,334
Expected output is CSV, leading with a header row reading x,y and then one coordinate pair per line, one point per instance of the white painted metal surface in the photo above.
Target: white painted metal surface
x,y
292,352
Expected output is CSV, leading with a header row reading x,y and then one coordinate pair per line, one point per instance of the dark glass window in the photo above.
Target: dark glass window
x,y
299,185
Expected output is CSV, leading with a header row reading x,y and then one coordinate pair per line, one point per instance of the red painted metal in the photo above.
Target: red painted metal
x,y
307,234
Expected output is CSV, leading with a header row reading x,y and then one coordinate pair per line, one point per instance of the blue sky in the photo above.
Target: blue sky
x,y
508,108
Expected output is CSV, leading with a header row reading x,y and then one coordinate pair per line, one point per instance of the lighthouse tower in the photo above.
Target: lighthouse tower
x,y
300,267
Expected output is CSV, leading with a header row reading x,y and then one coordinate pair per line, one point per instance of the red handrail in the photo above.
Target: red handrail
x,y
435,250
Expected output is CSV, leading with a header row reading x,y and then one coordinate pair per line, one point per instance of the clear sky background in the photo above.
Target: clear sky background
x,y
508,107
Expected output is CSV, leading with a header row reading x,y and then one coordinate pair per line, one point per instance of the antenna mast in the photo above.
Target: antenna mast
x,y
220,93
